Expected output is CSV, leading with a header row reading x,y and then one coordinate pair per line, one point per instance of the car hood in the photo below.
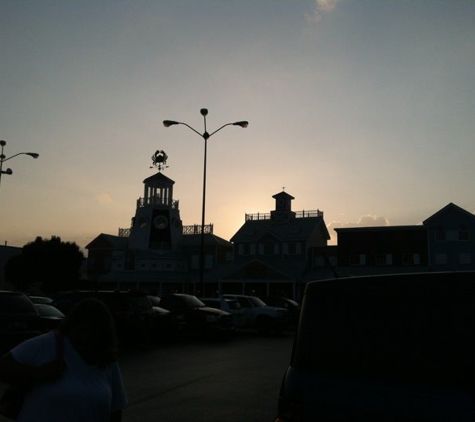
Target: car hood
x,y
277,308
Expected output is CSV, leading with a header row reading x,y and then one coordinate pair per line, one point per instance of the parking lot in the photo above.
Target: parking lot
x,y
232,380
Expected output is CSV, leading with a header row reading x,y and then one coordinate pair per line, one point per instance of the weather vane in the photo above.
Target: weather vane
x,y
159,160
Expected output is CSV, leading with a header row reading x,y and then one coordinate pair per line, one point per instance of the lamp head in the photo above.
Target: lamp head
x,y
33,154
168,123
2,143
243,124
204,111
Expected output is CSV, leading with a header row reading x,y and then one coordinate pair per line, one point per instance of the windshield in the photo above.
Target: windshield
x,y
193,302
47,310
256,301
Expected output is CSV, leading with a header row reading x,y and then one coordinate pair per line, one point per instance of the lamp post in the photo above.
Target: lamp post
x,y
3,159
205,135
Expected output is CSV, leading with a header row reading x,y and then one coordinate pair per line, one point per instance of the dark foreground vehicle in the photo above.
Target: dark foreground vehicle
x,y
19,319
200,320
383,348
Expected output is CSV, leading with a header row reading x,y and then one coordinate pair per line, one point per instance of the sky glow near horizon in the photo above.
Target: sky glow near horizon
x,y
363,109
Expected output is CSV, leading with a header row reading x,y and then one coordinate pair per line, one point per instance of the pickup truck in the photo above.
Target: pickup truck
x,y
200,320
258,315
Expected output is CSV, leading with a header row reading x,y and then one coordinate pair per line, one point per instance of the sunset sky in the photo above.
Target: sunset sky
x,y
364,109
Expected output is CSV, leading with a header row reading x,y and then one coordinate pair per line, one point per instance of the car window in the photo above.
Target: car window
x,y
233,304
154,300
244,302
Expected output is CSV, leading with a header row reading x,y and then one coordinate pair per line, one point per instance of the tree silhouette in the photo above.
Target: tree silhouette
x,y
51,264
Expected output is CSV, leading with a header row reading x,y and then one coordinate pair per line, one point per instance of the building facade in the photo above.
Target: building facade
x,y
272,253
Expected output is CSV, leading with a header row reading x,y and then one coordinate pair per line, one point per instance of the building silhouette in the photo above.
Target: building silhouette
x,y
272,253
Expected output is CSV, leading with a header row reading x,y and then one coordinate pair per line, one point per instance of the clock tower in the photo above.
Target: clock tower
x,y
157,225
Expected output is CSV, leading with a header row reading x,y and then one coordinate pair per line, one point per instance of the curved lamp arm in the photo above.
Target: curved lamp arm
x,y
31,154
206,135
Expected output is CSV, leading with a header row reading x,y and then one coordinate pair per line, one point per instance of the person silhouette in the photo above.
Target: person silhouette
x,y
70,374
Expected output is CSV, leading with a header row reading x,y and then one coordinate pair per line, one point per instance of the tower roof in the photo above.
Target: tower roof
x,y
159,178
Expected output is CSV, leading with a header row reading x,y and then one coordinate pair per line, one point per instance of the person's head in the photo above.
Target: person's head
x,y
90,327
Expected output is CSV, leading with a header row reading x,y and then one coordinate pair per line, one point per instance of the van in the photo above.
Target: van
x,y
383,348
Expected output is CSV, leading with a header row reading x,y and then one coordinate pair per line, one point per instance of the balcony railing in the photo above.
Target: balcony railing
x,y
196,229
298,214
187,230
157,200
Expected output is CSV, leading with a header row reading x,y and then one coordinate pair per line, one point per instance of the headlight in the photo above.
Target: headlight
x,y
211,318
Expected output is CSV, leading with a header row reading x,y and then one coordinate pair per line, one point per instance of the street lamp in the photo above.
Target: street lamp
x,y
3,159
205,135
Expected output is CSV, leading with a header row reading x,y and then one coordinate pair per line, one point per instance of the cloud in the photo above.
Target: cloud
x,y
372,221
364,221
326,5
321,7
103,198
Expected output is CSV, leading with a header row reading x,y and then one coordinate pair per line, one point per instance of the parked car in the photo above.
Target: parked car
x,y
200,320
41,299
383,348
131,310
50,317
19,319
228,305
283,302
261,317
166,324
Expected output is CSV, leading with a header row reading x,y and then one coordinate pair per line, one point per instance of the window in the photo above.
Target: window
x,y
465,258
292,248
357,259
269,247
411,259
464,234
440,235
247,249
441,259
195,262
384,259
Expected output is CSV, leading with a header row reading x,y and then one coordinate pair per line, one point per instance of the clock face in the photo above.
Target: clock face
x,y
142,222
160,222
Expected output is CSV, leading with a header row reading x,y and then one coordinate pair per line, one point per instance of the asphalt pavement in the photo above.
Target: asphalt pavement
x,y
235,380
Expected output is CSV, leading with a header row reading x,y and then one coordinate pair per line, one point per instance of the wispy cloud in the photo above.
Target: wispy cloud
x,y
322,7
103,198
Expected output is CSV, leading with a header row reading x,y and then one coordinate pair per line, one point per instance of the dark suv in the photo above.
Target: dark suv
x,y
383,348
200,320
131,310
19,319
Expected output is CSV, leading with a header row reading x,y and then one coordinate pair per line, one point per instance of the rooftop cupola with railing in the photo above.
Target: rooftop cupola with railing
x,y
283,206
157,224
158,191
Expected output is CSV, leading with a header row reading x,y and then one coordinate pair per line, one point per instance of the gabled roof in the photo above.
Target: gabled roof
x,y
282,194
159,178
108,241
251,268
449,208
294,229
